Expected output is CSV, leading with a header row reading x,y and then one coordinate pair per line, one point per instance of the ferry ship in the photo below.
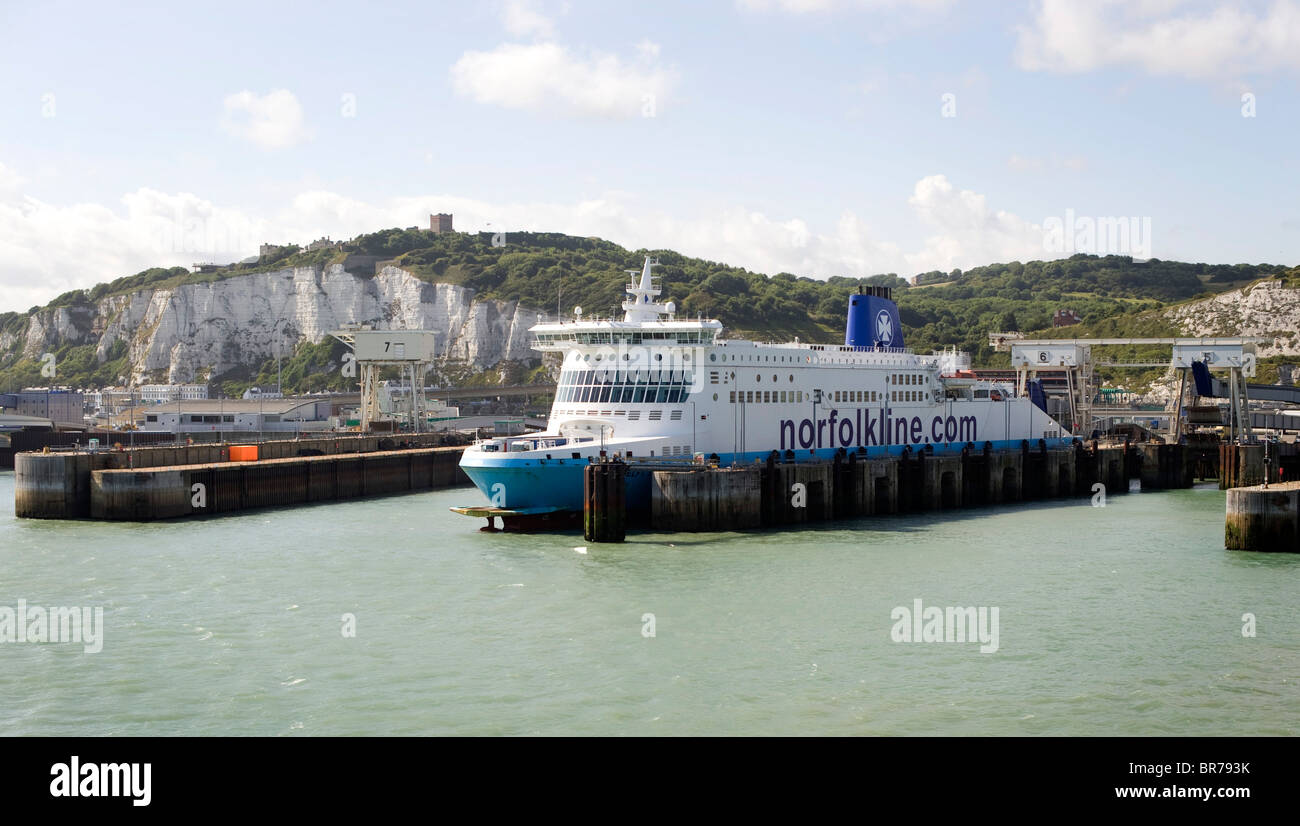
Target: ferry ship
x,y
654,390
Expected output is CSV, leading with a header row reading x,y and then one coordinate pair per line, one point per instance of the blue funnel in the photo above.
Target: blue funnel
x,y
873,319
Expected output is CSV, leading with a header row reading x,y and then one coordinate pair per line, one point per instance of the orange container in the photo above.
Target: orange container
x,y
243,453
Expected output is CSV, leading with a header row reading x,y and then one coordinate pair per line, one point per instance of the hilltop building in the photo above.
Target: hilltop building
x,y
440,223
1065,318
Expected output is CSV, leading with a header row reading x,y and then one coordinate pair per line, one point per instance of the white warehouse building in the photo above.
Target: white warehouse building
x,y
239,416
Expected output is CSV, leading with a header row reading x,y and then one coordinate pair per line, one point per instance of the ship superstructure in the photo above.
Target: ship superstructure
x,y
652,389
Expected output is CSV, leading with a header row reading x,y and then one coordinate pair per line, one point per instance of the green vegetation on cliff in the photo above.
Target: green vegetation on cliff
x,y
1114,295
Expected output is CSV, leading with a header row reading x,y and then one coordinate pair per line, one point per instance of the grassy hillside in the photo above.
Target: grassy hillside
x,y
551,270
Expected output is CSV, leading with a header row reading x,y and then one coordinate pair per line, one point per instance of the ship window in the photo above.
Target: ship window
x,y
792,378
733,396
749,397
782,397
774,378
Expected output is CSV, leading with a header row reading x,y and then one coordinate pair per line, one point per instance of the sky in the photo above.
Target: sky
x,y
817,137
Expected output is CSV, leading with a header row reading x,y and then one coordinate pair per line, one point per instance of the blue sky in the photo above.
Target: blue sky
x,y
820,137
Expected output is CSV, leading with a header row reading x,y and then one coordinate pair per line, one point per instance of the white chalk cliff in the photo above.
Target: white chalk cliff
x,y
196,331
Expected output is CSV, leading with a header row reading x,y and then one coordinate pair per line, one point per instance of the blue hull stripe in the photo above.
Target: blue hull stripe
x,y
539,482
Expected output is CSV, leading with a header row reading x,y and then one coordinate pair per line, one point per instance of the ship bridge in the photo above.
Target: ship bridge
x,y
646,322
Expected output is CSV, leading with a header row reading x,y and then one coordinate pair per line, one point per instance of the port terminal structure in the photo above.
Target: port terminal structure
x,y
411,351
1233,355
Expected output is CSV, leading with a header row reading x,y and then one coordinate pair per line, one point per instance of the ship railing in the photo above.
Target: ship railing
x,y
895,350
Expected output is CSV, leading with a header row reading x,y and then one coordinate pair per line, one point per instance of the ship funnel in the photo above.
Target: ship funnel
x,y
873,319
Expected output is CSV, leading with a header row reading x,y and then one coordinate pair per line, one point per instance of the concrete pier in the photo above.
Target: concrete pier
x,y
777,493
1263,519
726,498
159,482
52,485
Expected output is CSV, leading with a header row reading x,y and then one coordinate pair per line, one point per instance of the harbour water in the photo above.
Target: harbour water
x,y
1122,620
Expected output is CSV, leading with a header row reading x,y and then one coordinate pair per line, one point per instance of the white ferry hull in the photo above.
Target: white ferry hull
x,y
653,392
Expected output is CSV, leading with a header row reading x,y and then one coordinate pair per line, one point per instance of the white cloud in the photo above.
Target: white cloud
x,y
648,49
10,181
272,121
968,231
49,249
1030,163
819,6
548,77
521,18
1020,163
1162,37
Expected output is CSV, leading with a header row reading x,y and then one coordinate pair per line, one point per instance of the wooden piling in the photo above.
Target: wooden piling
x,y
1240,466
604,514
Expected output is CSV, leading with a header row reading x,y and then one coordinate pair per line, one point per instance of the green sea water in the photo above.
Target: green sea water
x,y
1124,620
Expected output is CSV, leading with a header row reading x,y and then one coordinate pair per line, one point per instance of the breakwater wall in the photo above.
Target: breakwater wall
x,y
159,482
